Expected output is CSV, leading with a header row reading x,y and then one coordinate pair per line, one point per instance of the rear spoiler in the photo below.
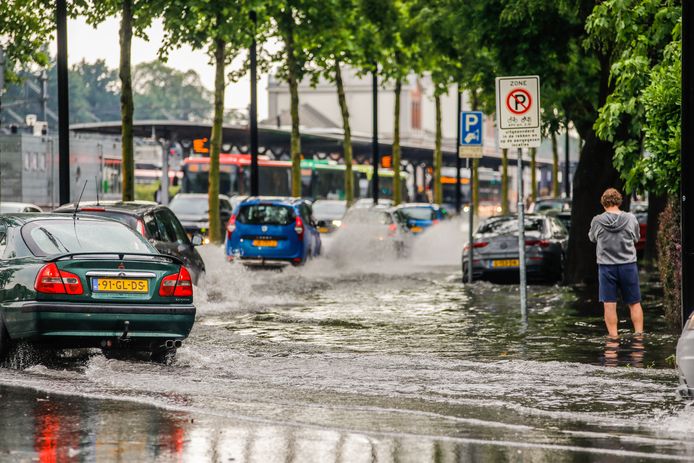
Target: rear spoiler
x,y
120,255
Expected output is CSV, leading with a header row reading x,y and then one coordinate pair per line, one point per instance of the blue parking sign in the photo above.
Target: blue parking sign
x,y
471,128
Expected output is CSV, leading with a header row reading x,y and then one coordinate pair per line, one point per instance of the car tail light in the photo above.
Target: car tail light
x,y
179,284
231,226
541,243
92,209
392,228
299,227
435,221
140,227
477,244
50,280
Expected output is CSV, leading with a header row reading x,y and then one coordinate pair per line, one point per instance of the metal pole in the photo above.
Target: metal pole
x,y
376,159
458,196
471,218
687,147
63,108
44,97
521,238
255,187
567,162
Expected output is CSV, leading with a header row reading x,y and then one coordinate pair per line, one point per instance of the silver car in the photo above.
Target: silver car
x,y
685,359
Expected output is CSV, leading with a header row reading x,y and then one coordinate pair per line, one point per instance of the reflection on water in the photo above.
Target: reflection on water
x,y
625,351
69,429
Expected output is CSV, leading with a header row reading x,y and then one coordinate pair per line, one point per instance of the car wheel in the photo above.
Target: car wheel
x,y
165,356
4,340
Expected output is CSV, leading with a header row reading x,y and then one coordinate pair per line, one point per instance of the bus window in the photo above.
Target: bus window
x,y
196,179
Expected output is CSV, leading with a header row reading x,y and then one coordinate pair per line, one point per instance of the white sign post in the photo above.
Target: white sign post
x,y
518,126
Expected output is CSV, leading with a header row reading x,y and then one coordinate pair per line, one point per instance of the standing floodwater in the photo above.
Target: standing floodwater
x,y
387,361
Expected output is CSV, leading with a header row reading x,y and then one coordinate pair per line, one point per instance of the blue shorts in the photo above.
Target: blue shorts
x,y
620,277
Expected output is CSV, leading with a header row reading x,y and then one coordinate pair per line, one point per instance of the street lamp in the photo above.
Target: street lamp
x,y
63,108
255,189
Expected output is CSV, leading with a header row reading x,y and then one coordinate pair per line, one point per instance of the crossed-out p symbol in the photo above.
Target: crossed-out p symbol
x,y
518,101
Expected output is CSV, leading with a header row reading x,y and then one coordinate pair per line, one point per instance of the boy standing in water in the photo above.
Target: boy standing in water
x,y
616,233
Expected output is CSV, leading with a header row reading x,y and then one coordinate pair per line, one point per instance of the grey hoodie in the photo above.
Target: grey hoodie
x,y
616,235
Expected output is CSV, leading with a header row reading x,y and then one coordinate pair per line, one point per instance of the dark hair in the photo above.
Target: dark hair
x,y
610,198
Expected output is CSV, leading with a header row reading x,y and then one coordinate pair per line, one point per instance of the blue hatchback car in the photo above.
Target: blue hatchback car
x,y
272,231
420,216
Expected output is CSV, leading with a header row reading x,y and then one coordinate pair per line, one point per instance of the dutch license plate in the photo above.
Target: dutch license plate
x,y
119,285
506,263
416,229
266,243
323,230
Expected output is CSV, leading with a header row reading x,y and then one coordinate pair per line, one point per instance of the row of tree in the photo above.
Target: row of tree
x,y
94,92
608,69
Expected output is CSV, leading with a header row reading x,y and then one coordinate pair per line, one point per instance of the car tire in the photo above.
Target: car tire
x,y
4,340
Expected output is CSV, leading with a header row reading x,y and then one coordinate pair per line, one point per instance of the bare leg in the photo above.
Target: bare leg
x,y
637,317
611,318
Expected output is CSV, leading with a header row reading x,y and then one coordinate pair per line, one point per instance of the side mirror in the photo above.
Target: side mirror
x,y
197,240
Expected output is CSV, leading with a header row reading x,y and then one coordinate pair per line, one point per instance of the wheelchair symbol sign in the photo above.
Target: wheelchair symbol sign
x,y
471,128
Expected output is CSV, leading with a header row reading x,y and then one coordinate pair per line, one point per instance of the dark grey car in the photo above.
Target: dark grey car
x,y
156,223
495,248
192,209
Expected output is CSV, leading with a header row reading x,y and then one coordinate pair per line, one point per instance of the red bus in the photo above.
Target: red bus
x,y
275,177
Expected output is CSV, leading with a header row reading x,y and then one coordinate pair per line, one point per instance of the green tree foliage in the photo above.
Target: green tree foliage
x,y
25,27
154,99
642,110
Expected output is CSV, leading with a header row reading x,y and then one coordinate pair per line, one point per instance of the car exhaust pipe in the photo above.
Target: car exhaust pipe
x,y
169,344
178,343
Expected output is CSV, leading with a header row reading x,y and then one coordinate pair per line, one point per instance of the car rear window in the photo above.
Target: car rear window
x,y
418,213
510,225
49,237
190,205
127,219
368,217
266,214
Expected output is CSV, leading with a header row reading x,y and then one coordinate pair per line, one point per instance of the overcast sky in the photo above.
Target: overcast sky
x,y
90,44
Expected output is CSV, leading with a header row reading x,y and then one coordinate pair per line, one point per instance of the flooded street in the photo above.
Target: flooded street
x,y
376,360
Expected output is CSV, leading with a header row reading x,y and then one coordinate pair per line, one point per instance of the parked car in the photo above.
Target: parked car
x,y
329,214
369,202
272,232
685,359
155,222
90,282
640,210
420,216
192,210
377,229
556,207
9,208
495,245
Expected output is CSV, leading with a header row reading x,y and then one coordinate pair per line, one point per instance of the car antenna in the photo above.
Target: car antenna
x,y
96,183
77,204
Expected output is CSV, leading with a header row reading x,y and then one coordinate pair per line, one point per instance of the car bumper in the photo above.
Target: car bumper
x,y
88,324
539,269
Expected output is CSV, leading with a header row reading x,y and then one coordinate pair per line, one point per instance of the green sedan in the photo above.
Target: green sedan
x,y
90,282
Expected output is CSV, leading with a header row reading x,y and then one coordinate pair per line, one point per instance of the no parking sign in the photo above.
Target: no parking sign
x,y
518,111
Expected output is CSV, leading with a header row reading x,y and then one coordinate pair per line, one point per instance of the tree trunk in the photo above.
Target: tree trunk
x,y
438,156
292,71
397,194
504,181
126,102
533,174
216,141
656,205
594,174
347,134
555,166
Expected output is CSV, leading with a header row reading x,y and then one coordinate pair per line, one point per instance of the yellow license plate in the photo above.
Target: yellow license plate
x,y
267,243
506,263
323,230
120,285
416,229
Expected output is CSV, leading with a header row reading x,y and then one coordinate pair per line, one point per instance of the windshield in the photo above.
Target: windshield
x,y
544,206
189,205
418,213
329,208
196,179
509,225
48,237
266,214
368,217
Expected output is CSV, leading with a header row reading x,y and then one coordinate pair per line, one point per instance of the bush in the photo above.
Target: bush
x,y
670,262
